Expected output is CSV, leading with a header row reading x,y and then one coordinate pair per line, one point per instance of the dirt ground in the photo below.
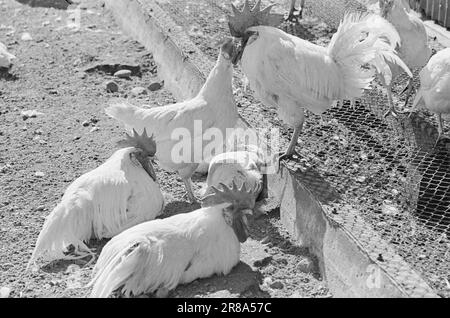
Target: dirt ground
x,y
61,72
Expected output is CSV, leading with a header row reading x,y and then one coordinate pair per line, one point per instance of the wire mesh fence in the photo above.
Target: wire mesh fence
x,y
386,169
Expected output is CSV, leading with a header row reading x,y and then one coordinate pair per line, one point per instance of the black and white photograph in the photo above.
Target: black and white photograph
x,y
224,155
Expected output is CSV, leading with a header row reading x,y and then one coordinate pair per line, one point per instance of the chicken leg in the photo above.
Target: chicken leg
x,y
291,15
291,148
440,129
189,192
408,90
391,109
186,175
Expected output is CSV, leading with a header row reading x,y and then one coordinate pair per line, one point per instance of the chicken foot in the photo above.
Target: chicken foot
x,y
189,192
391,109
408,90
291,148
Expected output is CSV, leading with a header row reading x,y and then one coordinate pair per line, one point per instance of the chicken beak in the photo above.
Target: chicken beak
x,y
241,226
237,55
148,167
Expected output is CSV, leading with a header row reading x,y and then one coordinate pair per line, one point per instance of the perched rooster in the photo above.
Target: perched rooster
x,y
414,49
213,108
119,194
293,74
434,89
5,57
161,254
239,167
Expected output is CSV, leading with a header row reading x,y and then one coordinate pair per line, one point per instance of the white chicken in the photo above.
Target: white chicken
x,y
414,49
213,109
434,91
6,58
161,254
119,194
293,74
239,167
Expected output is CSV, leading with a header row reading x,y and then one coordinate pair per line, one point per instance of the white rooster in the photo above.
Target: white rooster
x,y
434,91
161,254
240,167
414,49
119,194
6,58
213,109
293,74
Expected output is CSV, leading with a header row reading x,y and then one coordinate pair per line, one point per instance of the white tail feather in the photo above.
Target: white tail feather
x,y
131,264
62,229
362,39
126,114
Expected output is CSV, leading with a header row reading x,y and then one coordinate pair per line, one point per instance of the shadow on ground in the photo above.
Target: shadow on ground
x,y
57,4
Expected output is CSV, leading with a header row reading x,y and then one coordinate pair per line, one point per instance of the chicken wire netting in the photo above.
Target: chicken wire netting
x,y
388,169
351,157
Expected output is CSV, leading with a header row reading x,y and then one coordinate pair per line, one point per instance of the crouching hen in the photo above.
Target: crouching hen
x,y
239,167
161,254
183,130
293,74
119,194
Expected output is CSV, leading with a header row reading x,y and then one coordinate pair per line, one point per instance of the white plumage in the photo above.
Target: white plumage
x,y
6,58
414,49
293,74
213,109
239,167
100,204
434,89
162,254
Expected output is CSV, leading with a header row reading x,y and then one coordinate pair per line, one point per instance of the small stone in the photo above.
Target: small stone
x,y
38,132
267,281
30,114
305,265
81,75
40,208
86,123
154,86
138,91
76,138
5,292
112,87
26,36
94,129
361,179
39,174
123,74
277,285
389,209
45,23
262,262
